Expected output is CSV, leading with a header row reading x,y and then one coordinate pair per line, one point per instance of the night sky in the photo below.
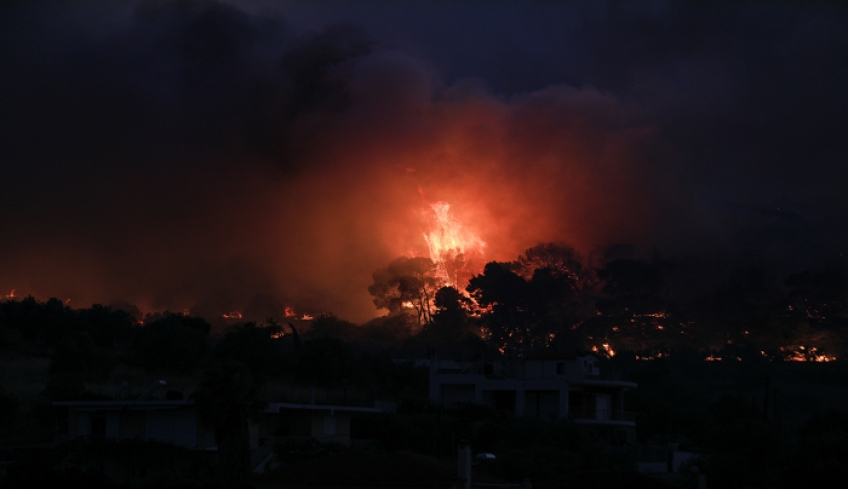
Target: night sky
x,y
219,156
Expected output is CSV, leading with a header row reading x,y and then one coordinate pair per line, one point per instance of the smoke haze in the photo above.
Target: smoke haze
x,y
204,156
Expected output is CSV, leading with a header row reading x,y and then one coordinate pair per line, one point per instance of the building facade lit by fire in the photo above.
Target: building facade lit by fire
x,y
545,385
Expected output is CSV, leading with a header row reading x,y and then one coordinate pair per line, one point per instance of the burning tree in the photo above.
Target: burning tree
x,y
450,245
406,284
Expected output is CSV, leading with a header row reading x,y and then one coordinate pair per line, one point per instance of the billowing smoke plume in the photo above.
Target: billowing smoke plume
x,y
192,155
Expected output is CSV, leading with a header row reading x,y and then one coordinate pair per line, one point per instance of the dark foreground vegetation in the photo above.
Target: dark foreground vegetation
x,y
748,374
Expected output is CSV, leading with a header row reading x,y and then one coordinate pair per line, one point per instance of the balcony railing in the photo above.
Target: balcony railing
x,y
593,414
316,395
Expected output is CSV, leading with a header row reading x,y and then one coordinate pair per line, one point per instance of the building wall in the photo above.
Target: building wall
x,y
205,438
544,404
502,400
133,425
113,425
74,424
547,388
570,370
297,424
331,428
455,393
549,369
177,426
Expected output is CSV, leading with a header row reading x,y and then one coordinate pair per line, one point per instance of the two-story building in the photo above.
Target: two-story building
x,y
546,385
155,417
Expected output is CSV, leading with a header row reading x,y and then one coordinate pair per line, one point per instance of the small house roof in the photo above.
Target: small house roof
x,y
131,404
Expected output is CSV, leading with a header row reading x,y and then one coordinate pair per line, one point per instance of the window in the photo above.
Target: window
x,y
98,425
329,425
62,422
560,368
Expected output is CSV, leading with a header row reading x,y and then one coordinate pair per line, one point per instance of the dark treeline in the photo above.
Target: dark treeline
x,y
742,413
551,297
231,371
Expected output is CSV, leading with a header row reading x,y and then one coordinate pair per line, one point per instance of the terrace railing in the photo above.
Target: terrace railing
x,y
589,413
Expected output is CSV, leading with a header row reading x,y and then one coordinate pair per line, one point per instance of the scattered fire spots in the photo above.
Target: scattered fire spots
x,y
801,353
714,358
606,349
233,315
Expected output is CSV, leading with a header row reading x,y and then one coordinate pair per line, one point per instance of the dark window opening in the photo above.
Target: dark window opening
x,y
98,425
62,422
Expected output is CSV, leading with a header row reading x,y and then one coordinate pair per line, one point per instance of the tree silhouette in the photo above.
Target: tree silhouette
x,y
450,322
503,297
325,362
406,282
559,259
530,303
228,397
260,348
175,343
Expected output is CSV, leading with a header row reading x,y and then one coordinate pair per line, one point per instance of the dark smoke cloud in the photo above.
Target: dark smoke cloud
x,y
219,156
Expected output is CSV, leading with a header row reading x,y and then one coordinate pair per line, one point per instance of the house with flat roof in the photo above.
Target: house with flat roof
x,y
546,385
175,421
167,421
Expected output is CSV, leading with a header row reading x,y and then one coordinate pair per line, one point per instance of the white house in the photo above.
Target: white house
x,y
547,385
168,421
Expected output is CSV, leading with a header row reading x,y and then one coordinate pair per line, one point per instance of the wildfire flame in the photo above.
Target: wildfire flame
x,y
804,354
450,243
606,349
233,315
290,312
